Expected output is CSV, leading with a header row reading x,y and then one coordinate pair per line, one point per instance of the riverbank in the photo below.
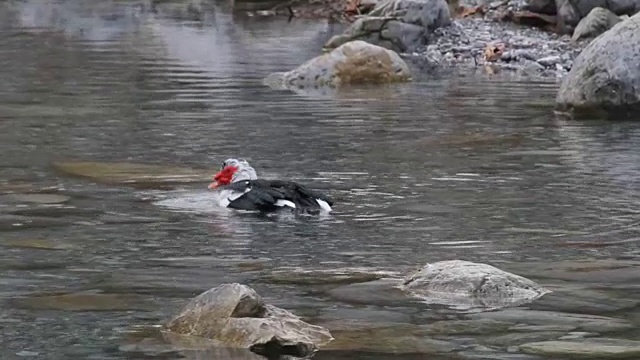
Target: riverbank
x,y
496,37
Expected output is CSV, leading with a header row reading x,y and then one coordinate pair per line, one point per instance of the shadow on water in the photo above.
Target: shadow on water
x,y
450,166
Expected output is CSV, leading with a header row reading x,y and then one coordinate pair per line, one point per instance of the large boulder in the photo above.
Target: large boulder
x,y
399,25
467,285
355,62
570,12
598,21
234,315
606,75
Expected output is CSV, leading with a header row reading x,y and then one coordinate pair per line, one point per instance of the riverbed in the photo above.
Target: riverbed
x,y
97,249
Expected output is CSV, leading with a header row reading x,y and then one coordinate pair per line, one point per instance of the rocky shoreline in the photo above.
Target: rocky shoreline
x,y
521,36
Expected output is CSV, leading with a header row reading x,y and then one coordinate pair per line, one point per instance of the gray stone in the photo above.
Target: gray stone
x,y
429,14
570,12
595,23
507,340
580,322
465,285
399,25
549,60
234,315
356,62
606,75
586,349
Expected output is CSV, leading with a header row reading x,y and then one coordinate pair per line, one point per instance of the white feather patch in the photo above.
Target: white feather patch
x,y
324,205
285,203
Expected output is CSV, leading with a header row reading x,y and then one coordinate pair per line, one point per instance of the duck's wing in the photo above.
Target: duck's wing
x,y
300,195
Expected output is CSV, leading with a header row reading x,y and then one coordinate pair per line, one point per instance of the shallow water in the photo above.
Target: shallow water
x,y
451,166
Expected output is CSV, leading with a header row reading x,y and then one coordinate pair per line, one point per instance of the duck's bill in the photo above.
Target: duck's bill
x,y
213,185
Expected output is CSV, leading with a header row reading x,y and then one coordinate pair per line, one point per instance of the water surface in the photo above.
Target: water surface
x,y
451,166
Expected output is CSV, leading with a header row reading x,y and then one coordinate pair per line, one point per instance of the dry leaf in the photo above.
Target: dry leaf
x,y
493,52
464,12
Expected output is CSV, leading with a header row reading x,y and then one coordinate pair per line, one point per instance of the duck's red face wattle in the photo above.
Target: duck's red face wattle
x,y
223,177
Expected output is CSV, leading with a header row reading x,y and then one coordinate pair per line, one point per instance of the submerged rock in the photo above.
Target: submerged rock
x,y
356,62
605,75
44,244
586,349
399,25
40,198
466,285
234,315
140,175
580,322
595,23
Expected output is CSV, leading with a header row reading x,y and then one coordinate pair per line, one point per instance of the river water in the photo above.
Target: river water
x,y
458,165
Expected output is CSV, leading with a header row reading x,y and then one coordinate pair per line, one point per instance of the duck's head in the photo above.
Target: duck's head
x,y
233,170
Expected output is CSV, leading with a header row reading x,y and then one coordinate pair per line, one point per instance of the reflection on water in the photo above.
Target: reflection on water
x,y
448,167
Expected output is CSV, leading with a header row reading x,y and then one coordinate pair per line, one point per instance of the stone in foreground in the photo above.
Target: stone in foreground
x,y
399,25
586,349
595,23
606,75
355,62
234,315
465,285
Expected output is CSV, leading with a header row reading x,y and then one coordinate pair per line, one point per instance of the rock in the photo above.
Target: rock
x,y
594,348
601,76
85,301
355,62
399,25
465,285
595,23
570,12
235,316
580,322
138,175
549,60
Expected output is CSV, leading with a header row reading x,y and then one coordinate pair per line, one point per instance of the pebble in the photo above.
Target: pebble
x,y
528,50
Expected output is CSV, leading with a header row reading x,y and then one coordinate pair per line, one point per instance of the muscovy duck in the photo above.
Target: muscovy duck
x,y
237,186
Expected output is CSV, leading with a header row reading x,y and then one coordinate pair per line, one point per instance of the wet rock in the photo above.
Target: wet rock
x,y
399,25
465,285
601,77
138,175
581,322
235,316
595,23
84,301
594,348
320,277
355,62
571,12
45,244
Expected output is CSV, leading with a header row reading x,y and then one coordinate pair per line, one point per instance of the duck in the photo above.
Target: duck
x,y
237,186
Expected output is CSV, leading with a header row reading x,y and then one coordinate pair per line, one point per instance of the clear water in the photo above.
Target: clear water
x,y
451,166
